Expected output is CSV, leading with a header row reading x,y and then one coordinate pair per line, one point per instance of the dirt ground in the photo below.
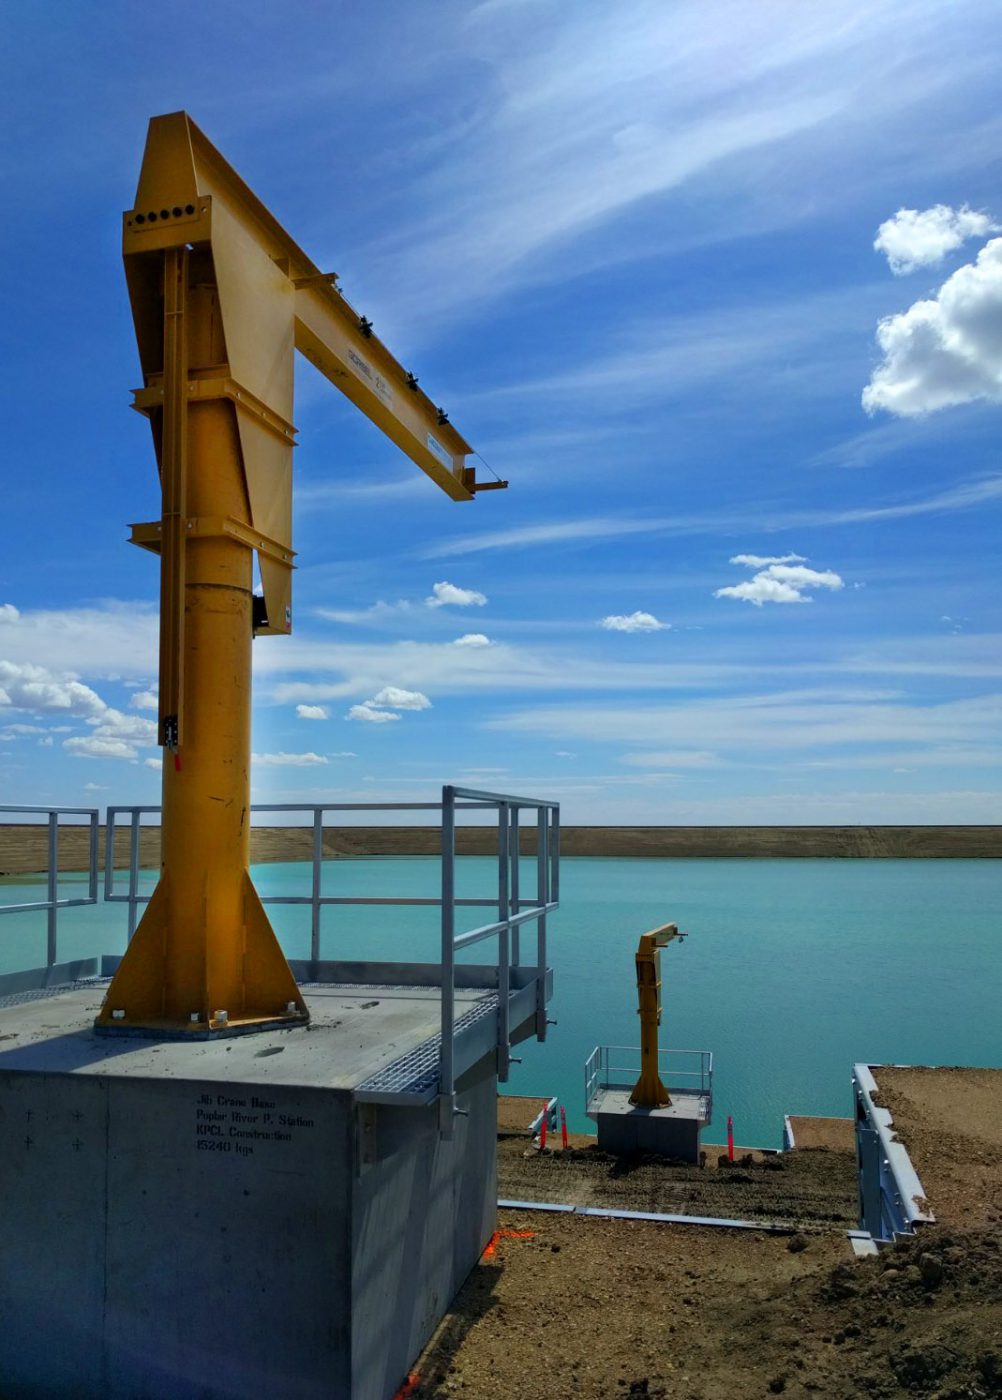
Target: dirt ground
x,y
951,1122
812,1190
564,1305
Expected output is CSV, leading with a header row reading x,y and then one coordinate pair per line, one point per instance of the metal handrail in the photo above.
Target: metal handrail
x,y
53,903
514,910
602,1073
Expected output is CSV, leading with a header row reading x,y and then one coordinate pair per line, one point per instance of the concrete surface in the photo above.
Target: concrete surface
x,y
623,1128
223,1219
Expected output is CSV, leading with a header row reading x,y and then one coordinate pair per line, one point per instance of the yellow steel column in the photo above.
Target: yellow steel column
x,y
205,957
649,1091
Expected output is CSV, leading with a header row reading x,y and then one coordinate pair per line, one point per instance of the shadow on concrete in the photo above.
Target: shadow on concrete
x,y
66,1053
429,1381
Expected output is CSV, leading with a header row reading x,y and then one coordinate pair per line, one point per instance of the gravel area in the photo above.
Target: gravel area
x,y
837,1134
950,1120
564,1305
810,1190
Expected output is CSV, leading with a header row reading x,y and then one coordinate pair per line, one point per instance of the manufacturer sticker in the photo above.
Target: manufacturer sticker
x,y
375,381
439,451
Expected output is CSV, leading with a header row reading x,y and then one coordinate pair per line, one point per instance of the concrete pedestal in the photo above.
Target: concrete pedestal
x,y
624,1129
225,1219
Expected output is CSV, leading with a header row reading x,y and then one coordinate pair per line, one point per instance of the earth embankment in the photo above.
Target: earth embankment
x,y
23,847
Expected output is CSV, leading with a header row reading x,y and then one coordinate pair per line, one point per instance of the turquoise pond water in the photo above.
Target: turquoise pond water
x,y
794,968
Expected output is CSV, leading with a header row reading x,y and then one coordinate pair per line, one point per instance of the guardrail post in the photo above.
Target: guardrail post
x,y
133,872
109,852
504,913
542,899
53,889
92,859
516,900
318,865
446,1078
555,854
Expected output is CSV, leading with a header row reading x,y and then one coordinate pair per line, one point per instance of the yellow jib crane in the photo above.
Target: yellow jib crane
x,y
649,1092
222,298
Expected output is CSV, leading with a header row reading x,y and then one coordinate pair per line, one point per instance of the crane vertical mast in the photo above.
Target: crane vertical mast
x,y
222,298
649,1091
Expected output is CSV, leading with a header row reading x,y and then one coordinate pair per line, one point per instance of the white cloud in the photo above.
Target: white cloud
x,y
762,589
472,639
115,735
114,724
633,622
760,561
343,753
311,712
391,697
39,691
145,700
779,582
448,595
98,746
156,763
94,787
946,350
914,238
114,639
287,760
8,613
371,716
799,577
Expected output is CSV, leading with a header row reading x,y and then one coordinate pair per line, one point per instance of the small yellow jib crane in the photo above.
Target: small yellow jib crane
x,y
222,298
649,1092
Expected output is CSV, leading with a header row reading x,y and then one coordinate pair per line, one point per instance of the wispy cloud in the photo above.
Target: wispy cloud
x,y
611,108
966,496
376,612
755,723
287,760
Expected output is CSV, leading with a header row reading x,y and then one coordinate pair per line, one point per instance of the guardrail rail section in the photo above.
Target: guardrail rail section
x,y
19,981
617,1067
518,979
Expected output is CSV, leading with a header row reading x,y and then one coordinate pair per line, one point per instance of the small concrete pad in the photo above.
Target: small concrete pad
x,y
623,1128
807,1131
229,1218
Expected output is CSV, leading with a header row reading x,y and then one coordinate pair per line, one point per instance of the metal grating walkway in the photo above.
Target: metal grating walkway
x,y
416,1073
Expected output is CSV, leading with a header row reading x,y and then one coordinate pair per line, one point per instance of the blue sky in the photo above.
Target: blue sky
x,y
630,248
